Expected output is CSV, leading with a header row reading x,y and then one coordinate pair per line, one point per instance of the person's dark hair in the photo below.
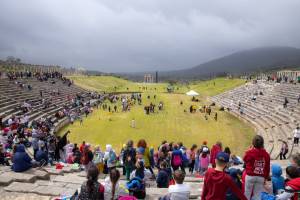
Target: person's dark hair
x,y
296,159
114,176
258,142
171,146
142,143
292,171
130,143
180,144
194,146
227,150
163,164
92,176
164,142
83,142
179,176
140,169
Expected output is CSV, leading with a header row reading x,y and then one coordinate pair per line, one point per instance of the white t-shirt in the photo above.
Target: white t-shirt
x,y
179,192
179,188
297,133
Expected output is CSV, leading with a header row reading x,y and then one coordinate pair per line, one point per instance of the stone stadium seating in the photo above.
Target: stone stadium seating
x,y
266,113
48,183
13,96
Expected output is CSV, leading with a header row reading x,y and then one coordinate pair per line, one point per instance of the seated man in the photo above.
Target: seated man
x,y
179,191
42,155
21,160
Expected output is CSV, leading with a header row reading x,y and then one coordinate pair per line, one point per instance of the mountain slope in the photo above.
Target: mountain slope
x,y
253,60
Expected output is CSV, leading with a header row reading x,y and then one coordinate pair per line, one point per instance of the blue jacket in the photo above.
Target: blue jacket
x,y
21,160
41,155
234,174
277,179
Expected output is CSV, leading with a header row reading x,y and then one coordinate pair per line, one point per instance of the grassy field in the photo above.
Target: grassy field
x,y
113,84
172,124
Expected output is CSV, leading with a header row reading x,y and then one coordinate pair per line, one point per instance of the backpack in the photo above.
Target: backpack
x,y
176,161
127,197
112,157
137,188
266,196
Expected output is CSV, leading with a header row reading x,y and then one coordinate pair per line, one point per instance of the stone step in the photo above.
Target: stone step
x,y
29,176
53,190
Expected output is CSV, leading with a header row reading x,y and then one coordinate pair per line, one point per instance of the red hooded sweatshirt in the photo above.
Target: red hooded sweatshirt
x,y
216,184
295,184
257,162
213,154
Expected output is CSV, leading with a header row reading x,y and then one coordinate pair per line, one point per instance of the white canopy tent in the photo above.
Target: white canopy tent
x,y
192,93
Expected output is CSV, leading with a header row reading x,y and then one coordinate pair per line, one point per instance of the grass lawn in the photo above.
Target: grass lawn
x,y
172,124
113,84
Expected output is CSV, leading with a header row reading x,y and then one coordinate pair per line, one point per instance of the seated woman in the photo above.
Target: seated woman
x,y
92,189
113,188
21,160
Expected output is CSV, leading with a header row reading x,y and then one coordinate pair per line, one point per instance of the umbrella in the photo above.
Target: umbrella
x,y
192,93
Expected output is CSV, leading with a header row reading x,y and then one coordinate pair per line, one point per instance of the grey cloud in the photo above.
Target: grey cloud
x,y
137,35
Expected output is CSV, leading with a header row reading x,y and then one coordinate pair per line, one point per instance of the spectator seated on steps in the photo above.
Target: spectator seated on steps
x,y
42,155
21,160
179,191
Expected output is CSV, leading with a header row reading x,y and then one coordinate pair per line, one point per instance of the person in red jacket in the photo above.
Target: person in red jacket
x,y
217,182
257,167
82,146
214,151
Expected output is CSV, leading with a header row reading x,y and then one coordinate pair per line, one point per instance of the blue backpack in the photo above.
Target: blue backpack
x,y
267,196
112,158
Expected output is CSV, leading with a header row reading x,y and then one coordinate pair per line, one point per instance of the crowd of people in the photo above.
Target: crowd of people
x,y
167,165
226,175
223,176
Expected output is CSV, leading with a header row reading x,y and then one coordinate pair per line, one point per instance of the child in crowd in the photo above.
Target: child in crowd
x,y
113,188
92,189
163,176
257,167
217,182
176,158
204,160
179,191
277,179
192,158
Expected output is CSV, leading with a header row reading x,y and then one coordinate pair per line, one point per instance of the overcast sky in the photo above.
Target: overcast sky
x,y
141,35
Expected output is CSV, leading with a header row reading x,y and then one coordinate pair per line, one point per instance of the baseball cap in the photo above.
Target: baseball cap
x,y
223,157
